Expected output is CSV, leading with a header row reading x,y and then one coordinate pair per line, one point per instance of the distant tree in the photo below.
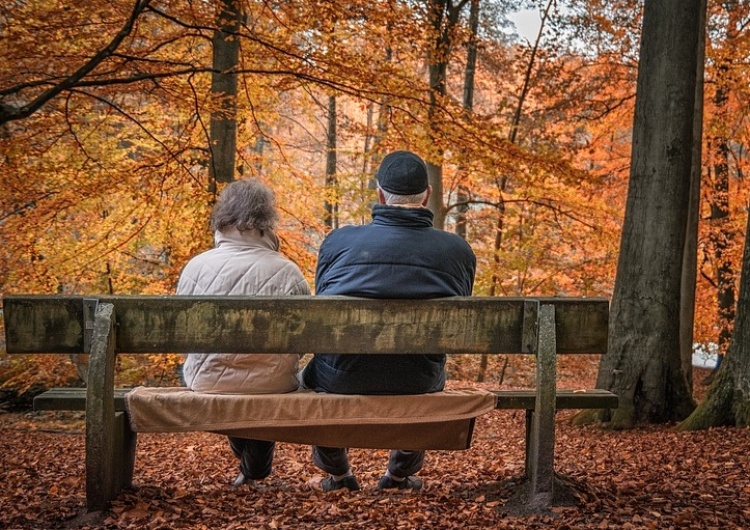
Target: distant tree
x,y
503,181
331,202
724,170
442,17
226,61
467,101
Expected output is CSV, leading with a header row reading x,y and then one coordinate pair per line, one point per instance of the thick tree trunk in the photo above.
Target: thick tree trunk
x,y
643,365
728,399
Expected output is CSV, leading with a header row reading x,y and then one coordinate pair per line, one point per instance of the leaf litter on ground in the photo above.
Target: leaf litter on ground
x,y
646,478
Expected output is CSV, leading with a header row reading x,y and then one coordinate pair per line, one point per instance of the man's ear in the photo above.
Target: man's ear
x,y
381,197
427,196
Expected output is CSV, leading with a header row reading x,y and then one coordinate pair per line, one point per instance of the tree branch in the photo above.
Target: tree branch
x,y
10,113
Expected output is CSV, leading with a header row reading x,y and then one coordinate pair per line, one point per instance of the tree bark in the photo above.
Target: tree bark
x,y
443,16
331,201
728,400
226,53
468,106
643,365
721,235
690,255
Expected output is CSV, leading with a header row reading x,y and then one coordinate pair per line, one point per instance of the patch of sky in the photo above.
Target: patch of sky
x,y
704,355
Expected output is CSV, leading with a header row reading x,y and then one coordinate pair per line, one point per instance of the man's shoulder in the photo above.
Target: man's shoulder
x,y
452,239
344,233
336,232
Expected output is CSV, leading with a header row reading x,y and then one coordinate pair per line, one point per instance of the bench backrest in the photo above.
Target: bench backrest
x,y
304,324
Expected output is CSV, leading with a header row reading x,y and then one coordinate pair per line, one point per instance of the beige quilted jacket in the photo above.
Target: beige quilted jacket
x,y
242,263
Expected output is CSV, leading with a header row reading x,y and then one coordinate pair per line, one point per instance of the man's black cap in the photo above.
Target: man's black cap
x,y
402,173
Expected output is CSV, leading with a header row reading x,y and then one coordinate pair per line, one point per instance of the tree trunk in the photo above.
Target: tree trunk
x,y
690,255
721,235
382,128
258,148
226,52
468,105
437,66
331,201
443,16
643,365
728,400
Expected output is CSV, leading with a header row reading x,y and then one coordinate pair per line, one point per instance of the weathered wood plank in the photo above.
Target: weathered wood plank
x,y
154,324
43,324
75,399
581,324
69,398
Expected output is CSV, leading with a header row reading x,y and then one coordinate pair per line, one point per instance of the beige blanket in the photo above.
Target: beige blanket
x,y
443,420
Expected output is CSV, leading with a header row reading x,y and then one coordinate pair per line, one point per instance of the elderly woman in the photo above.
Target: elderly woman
x,y
244,261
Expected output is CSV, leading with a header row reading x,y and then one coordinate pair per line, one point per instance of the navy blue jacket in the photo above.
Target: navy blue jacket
x,y
398,255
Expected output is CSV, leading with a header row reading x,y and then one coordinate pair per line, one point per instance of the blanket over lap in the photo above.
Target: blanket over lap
x,y
441,420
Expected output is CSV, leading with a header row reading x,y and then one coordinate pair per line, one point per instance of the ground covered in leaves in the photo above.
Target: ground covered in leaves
x,y
647,478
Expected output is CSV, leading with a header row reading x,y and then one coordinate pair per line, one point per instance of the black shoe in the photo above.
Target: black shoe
x,y
330,484
388,483
240,480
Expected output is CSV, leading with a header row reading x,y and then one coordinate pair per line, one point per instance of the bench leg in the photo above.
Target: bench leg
x,y
527,461
109,468
124,458
101,451
540,422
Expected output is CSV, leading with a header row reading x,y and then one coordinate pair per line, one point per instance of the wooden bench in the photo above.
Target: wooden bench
x,y
107,325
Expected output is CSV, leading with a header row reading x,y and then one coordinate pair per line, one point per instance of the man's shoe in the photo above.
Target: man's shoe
x,y
388,483
240,480
330,484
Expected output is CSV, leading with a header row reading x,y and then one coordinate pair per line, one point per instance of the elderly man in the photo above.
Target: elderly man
x,y
398,255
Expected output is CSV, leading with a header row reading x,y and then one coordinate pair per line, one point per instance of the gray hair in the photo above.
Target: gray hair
x,y
247,205
392,198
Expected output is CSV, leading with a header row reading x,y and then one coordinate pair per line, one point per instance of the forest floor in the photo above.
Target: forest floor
x,y
646,478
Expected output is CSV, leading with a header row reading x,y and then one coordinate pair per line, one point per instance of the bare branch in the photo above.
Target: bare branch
x,y
548,204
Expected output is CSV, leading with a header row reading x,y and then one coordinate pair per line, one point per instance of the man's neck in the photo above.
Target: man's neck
x,y
407,205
